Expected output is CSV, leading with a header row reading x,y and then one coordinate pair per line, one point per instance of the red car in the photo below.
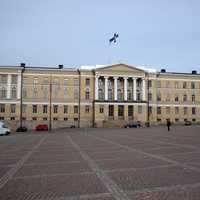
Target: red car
x,y
41,127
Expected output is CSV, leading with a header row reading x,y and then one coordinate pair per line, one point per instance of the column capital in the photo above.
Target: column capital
x,y
115,77
124,77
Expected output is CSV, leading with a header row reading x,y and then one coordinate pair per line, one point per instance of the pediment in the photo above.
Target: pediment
x,y
124,68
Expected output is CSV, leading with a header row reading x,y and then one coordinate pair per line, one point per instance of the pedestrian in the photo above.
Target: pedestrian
x,y
168,124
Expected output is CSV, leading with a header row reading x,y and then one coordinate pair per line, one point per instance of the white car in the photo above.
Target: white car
x,y
3,129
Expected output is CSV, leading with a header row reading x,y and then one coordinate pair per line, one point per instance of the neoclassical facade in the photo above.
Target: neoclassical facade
x,y
96,96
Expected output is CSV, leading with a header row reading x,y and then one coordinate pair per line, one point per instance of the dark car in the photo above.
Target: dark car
x,y
21,129
133,125
72,126
41,127
188,123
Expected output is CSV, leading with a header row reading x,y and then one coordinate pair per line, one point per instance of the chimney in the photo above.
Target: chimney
x,y
60,66
163,70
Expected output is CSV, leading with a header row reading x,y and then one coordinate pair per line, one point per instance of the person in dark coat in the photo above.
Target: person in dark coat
x,y
168,124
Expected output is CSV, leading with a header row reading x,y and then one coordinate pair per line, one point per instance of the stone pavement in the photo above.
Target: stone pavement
x,y
102,164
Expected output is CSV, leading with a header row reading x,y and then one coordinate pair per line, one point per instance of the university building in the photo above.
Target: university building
x,y
96,96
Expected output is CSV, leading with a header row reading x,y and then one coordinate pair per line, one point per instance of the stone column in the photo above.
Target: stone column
x,y
125,88
96,87
134,89
143,90
19,77
106,88
8,95
115,88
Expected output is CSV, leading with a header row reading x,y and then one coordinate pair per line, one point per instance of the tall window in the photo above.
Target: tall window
x,y
176,84
110,94
12,108
150,83
192,85
24,107
34,108
2,108
193,98
193,111
158,84
130,111
3,92
158,110
120,111
184,97
158,97
176,98
87,82
24,92
14,92
87,94
3,78
184,85
185,110
87,109
167,110
14,79
139,109
101,94
75,109
45,108
65,109
55,108
76,82
176,110
75,93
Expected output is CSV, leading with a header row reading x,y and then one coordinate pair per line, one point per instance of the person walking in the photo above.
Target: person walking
x,y
168,124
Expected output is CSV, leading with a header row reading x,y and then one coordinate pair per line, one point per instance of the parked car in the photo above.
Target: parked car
x,y
4,130
188,123
21,129
72,126
41,127
133,125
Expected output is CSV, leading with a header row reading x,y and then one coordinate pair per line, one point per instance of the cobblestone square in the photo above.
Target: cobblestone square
x,y
102,164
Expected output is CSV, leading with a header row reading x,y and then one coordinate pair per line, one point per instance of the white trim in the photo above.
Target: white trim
x,y
121,75
53,75
45,103
175,79
175,105
120,103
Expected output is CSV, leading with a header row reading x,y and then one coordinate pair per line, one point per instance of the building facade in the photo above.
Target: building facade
x,y
99,96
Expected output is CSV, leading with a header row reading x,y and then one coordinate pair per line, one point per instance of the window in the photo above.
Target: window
x,y
35,92
101,109
158,110
176,110
65,82
150,110
75,93
185,110
12,118
3,78
65,108
168,97
24,108
75,119
193,98
167,110
176,120
87,82
129,95
13,92
45,81
193,111
34,108
55,108
184,97
130,111
55,119
1,118
120,111
158,97
34,118
194,120
158,120
12,108
176,98
65,92
75,109
158,84
2,108
110,94
14,79
24,118
139,109
65,119
87,94
111,110
192,85
35,81
149,83
44,119
167,84
184,85
87,109
3,92
150,96
101,94
45,108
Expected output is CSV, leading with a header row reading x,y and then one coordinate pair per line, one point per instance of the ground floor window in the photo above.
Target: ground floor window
x,y
101,109
130,111
139,109
111,110
120,111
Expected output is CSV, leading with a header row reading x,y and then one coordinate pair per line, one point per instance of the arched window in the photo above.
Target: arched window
x,y
14,92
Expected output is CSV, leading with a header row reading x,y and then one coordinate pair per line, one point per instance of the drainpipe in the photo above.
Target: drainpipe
x,y
79,99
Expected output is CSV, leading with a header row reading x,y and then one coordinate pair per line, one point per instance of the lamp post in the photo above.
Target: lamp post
x,y
21,90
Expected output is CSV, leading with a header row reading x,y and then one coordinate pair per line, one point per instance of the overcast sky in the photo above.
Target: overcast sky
x,y
157,33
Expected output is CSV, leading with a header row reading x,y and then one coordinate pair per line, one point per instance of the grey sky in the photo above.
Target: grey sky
x,y
162,34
